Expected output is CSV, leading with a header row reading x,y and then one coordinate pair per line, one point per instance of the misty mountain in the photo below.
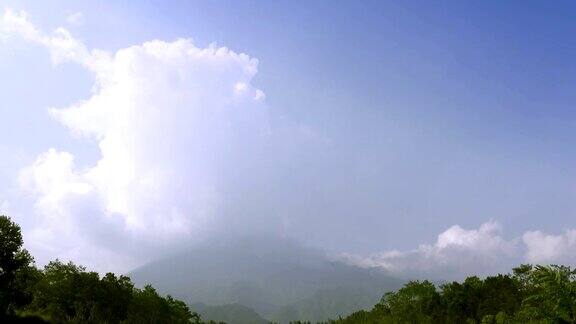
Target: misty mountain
x,y
328,303
229,313
280,279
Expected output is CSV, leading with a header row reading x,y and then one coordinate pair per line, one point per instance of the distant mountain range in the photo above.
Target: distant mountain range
x,y
265,278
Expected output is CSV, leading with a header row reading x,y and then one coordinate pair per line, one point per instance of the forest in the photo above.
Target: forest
x,y
531,294
68,293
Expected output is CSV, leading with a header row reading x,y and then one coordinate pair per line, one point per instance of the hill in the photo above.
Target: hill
x,y
327,303
229,314
279,279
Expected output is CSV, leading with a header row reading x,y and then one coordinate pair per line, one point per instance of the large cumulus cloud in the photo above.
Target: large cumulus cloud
x,y
172,121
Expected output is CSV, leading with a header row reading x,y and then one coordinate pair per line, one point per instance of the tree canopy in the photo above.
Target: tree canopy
x,y
531,294
15,267
68,293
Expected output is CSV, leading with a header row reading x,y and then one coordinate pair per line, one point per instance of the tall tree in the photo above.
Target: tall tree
x,y
15,267
416,302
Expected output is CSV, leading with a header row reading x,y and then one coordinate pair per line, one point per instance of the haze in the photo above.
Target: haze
x,y
428,140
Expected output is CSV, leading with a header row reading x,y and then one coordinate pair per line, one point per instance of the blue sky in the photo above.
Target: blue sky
x,y
394,121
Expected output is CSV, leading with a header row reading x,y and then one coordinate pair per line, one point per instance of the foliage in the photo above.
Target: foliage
x,y
416,302
16,268
68,293
532,294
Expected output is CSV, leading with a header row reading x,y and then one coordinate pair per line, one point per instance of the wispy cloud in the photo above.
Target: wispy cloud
x,y
75,19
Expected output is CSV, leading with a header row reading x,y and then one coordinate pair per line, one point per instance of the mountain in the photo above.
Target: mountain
x,y
328,303
229,314
280,279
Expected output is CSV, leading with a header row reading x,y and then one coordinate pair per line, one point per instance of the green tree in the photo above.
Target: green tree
x,y
454,299
553,294
113,298
66,293
148,306
16,268
500,294
416,302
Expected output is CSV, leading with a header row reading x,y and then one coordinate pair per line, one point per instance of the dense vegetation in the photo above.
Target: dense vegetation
x,y
67,293
531,294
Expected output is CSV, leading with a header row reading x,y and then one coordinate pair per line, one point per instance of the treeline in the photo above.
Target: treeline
x,y
67,293
531,294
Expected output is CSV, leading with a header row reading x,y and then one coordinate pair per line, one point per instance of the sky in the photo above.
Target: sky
x,y
425,138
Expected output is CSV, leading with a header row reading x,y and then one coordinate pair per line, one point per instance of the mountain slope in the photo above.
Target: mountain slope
x,y
268,275
229,314
328,303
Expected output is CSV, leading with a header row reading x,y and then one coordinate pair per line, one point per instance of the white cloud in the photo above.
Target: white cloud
x,y
75,19
4,205
17,22
543,248
456,253
459,252
172,120
52,177
60,43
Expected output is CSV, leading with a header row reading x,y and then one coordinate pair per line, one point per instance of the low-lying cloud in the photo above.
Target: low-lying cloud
x,y
460,252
